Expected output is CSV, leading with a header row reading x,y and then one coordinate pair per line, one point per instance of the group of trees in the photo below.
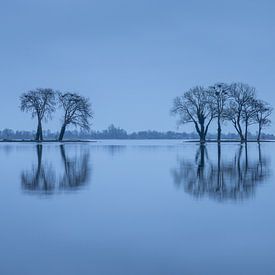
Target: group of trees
x,y
236,102
41,103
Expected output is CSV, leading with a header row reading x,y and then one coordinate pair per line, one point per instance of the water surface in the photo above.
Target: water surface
x,y
137,207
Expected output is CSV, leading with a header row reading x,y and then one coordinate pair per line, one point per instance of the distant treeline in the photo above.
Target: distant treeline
x,y
113,132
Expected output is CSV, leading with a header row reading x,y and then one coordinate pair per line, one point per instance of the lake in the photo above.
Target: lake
x,y
137,207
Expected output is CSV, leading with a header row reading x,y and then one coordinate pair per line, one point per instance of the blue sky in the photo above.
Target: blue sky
x,y
132,57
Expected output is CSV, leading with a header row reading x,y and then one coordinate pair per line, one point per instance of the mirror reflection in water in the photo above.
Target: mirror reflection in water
x,y
44,178
224,177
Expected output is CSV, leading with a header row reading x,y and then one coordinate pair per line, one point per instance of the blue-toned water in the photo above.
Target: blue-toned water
x,y
137,207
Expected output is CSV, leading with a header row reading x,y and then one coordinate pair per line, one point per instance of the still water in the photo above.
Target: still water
x,y
137,207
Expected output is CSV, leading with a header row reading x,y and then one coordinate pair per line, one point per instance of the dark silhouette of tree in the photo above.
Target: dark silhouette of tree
x,y
241,110
236,102
219,94
234,179
263,112
77,111
41,104
195,106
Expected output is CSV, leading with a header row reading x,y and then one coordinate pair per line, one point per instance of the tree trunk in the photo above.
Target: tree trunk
x,y
239,130
62,132
39,134
219,130
246,130
202,138
202,133
259,134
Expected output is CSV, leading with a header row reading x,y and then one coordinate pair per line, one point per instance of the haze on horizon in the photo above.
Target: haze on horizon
x,y
132,58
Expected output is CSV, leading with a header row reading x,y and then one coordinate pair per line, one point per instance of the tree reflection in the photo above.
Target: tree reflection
x,y
222,179
43,179
76,170
40,178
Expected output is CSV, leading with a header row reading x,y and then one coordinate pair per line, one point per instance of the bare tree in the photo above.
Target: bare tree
x,y
219,94
195,106
77,111
41,104
241,108
263,112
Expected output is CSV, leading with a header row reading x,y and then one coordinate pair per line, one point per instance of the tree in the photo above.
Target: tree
x,y
263,111
77,111
219,94
41,104
241,108
195,106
